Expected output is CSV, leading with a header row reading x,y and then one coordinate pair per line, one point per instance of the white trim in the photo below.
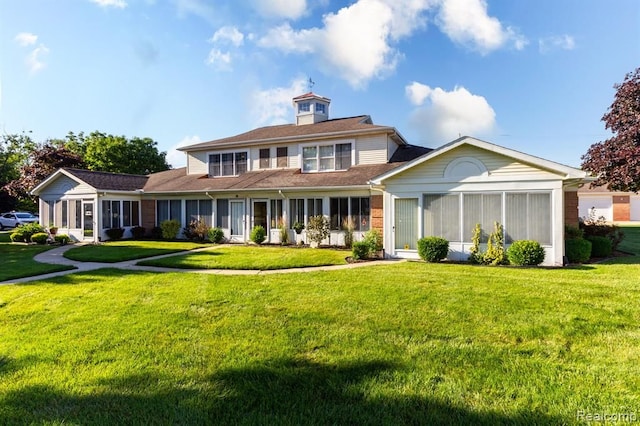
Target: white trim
x,y
453,165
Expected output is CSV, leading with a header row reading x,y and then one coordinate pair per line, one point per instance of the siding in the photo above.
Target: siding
x,y
497,166
197,163
371,150
64,185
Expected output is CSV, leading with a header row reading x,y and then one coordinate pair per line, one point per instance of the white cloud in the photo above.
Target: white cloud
x,y
34,59
26,39
178,158
467,23
448,115
274,106
281,9
562,42
228,34
120,4
198,8
356,42
219,60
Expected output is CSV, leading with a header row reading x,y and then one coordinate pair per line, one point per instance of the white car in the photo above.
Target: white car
x,y
13,219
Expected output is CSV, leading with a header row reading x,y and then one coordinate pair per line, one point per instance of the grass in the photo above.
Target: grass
x,y
631,241
120,251
253,258
17,261
408,343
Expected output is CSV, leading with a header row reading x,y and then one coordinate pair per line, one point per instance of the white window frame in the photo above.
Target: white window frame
x,y
233,153
319,158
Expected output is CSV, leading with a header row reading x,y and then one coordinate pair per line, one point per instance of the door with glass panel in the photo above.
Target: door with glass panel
x,y
236,219
87,220
260,213
406,223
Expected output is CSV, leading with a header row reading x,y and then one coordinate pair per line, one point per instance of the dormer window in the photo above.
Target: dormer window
x,y
326,158
321,108
227,164
304,107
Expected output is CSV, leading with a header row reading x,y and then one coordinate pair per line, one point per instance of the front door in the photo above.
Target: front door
x,y
260,214
87,220
237,220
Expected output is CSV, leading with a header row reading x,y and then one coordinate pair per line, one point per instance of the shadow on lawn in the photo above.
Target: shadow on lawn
x,y
278,392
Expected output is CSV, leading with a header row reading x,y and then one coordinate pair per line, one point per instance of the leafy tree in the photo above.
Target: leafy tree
x,y
117,154
14,152
42,161
616,161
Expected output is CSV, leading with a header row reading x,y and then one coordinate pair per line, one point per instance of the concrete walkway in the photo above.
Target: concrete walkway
x,y
56,256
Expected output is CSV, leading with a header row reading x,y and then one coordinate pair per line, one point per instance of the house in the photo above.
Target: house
x,y
614,206
340,168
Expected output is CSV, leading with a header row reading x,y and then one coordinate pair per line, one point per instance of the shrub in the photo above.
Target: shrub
x,y
62,239
577,250
23,233
170,229
525,253
216,235
317,229
298,227
360,250
600,246
475,255
137,232
156,233
433,249
598,227
348,226
258,234
572,232
114,233
284,232
39,238
495,254
197,230
373,238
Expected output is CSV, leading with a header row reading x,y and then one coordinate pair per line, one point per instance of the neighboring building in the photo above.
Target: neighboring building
x,y
613,206
339,168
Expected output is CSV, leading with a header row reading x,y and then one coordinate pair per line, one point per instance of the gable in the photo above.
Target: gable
x,y
64,185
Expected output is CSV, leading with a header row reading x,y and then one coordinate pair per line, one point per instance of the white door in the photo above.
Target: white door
x,y
236,222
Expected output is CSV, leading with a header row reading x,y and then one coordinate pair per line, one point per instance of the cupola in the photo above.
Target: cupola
x,y
311,108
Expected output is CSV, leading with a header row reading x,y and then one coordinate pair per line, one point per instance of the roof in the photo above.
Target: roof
x,y
568,172
101,181
336,127
311,95
177,180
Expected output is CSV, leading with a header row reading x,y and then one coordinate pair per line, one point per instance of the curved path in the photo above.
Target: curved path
x,y
56,256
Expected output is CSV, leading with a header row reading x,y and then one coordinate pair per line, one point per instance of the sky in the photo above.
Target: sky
x,y
531,75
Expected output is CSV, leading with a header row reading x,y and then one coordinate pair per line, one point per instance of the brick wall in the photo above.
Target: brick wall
x,y
377,214
571,208
148,214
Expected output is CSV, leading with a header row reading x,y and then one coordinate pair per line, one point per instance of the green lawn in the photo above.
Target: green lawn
x,y
408,343
253,258
17,261
631,242
119,251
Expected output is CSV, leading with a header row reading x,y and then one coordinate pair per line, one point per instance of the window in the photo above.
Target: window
x,y
360,212
442,216
169,210
265,158
528,217
283,156
314,207
276,213
321,108
110,214
198,210
222,213
325,158
485,209
130,213
64,220
227,164
78,214
296,211
304,107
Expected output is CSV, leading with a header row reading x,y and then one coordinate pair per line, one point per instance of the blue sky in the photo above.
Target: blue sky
x,y
535,76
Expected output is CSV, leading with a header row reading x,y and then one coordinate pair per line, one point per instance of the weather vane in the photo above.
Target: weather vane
x,y
311,83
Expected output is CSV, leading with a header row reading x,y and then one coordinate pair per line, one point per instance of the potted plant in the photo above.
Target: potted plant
x,y
53,230
298,227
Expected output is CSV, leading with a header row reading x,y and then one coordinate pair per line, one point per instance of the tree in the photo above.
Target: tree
x,y
42,162
117,154
14,152
616,161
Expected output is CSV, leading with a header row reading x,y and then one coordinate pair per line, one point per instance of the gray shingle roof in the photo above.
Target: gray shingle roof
x,y
109,181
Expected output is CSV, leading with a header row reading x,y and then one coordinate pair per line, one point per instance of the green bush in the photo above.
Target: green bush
x,y
114,234
137,232
599,227
62,239
216,235
433,249
197,230
258,234
360,250
600,246
577,250
572,232
373,238
317,229
23,233
170,229
39,238
156,233
525,253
